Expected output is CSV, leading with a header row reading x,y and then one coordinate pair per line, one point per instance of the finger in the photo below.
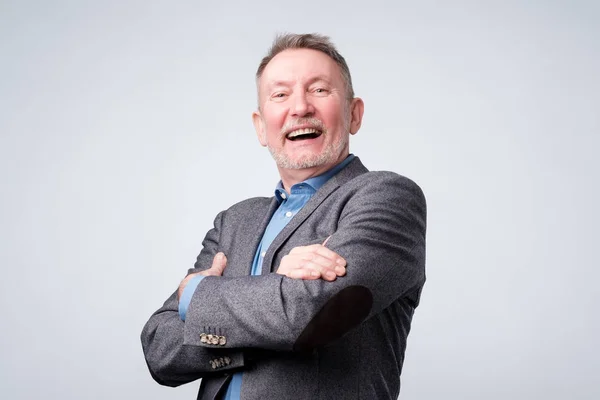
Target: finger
x,y
311,264
322,264
219,263
328,253
328,273
331,260
293,266
310,252
319,259
218,266
303,273
302,263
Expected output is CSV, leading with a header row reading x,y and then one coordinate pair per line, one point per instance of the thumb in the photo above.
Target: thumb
x,y
219,263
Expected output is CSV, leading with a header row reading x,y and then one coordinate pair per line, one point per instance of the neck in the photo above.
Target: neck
x,y
290,177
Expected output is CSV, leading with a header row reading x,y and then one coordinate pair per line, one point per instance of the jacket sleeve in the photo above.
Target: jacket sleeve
x,y
172,362
380,233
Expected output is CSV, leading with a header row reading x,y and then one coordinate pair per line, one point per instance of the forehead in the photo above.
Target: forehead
x,y
295,65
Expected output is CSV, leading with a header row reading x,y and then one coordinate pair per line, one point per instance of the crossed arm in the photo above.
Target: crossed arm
x,y
381,240
173,363
303,262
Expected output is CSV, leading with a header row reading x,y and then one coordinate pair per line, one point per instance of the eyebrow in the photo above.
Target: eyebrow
x,y
271,85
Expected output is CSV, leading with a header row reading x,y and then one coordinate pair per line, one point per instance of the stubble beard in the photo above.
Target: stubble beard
x,y
310,160
329,155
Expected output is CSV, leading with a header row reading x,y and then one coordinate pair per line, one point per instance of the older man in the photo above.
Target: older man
x,y
308,294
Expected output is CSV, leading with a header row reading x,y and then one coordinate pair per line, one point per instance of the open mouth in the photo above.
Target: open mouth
x,y
304,134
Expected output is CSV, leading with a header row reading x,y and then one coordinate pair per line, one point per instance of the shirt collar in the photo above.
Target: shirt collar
x,y
315,182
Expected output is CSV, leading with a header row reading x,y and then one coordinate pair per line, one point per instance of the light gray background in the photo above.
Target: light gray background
x,y
125,127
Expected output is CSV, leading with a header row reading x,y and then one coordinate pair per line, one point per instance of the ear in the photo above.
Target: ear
x,y
259,127
357,108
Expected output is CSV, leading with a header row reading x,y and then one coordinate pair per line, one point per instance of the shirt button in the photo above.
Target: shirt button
x,y
263,254
283,196
288,214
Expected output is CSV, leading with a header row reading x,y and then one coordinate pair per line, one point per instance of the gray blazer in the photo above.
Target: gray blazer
x,y
297,339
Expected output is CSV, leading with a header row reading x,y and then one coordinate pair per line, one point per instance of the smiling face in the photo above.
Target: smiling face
x,y
305,118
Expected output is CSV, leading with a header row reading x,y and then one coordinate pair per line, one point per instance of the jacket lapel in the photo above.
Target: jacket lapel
x,y
253,230
351,171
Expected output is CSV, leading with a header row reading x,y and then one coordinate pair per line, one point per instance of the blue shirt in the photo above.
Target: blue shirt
x,y
289,205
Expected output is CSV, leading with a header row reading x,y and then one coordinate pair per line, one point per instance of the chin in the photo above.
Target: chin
x,y
303,164
329,156
312,160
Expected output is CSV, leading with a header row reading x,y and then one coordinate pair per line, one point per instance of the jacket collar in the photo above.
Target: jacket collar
x,y
354,169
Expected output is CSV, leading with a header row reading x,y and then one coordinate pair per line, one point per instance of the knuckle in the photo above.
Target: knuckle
x,y
309,265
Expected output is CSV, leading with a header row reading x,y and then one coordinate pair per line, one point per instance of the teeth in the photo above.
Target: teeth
x,y
304,131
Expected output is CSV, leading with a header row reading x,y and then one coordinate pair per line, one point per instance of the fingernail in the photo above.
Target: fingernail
x,y
314,273
340,261
340,270
330,274
220,255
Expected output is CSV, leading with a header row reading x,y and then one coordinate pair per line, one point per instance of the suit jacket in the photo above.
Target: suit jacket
x,y
302,339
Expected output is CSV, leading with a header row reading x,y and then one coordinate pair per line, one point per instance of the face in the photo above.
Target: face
x,y
305,118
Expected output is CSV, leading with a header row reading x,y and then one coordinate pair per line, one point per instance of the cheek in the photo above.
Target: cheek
x,y
332,114
274,122
273,128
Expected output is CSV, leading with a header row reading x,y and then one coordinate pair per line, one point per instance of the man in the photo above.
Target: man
x,y
308,294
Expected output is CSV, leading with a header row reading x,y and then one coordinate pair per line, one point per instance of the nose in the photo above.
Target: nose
x,y
302,106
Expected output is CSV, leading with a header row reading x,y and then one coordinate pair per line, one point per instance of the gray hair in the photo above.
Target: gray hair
x,y
312,41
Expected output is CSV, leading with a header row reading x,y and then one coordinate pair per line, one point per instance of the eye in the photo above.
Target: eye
x,y
278,96
320,91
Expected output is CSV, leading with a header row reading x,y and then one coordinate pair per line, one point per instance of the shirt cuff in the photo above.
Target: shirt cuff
x,y
186,296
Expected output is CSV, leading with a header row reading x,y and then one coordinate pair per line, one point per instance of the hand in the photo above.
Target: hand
x,y
217,268
312,262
